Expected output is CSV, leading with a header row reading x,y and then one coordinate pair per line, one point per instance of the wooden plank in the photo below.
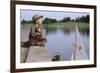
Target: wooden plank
x,y
24,52
38,54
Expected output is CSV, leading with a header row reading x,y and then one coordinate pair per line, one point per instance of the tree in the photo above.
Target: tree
x,y
65,19
83,19
49,20
87,18
23,22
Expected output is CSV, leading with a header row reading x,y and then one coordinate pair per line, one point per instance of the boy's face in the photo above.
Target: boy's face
x,y
39,21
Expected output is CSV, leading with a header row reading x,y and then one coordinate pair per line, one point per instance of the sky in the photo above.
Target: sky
x,y
28,14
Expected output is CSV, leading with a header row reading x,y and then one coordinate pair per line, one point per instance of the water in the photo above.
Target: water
x,y
59,42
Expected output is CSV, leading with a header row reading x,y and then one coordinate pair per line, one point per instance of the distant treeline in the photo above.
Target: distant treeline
x,y
84,19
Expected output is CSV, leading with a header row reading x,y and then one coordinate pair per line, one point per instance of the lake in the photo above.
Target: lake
x,y
61,43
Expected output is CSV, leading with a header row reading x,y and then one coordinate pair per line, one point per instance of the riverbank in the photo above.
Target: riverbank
x,y
68,25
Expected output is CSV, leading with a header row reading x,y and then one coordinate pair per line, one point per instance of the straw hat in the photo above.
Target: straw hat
x,y
35,17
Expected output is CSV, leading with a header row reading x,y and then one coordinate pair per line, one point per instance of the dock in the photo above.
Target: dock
x,y
36,54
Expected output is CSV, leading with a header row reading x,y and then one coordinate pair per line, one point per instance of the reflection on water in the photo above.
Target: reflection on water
x,y
62,40
66,31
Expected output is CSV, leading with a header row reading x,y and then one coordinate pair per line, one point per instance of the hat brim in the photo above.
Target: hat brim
x,y
37,17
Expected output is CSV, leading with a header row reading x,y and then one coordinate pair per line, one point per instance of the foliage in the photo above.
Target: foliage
x,y
26,22
49,20
83,19
65,19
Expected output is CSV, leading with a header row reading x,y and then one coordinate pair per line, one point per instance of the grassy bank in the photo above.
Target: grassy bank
x,y
68,25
